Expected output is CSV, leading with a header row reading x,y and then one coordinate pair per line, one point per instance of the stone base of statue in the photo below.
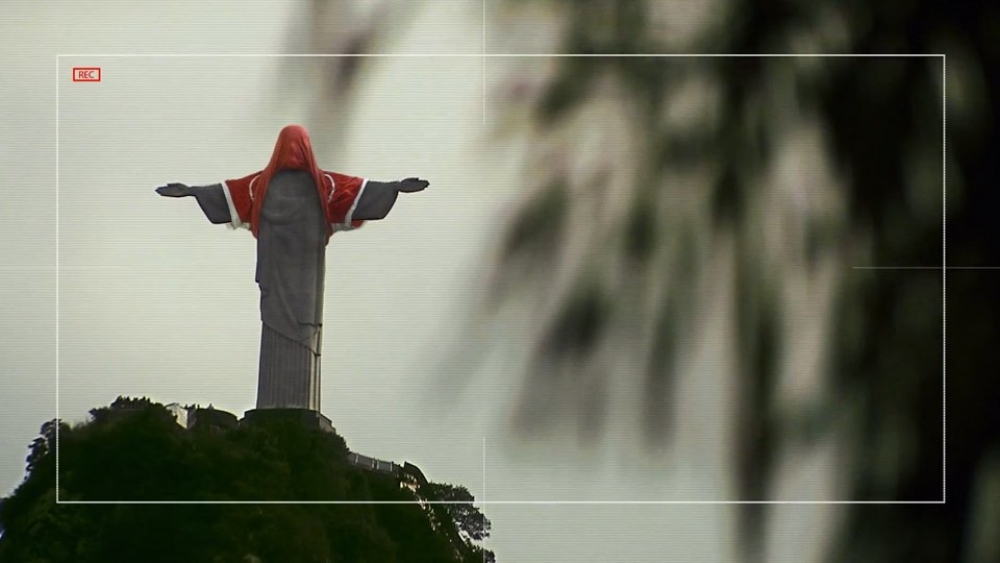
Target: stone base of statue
x,y
306,417
289,374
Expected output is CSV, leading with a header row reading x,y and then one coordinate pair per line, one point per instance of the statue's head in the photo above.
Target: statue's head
x,y
293,150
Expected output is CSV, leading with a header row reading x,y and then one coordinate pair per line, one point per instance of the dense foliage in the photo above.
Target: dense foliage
x,y
135,451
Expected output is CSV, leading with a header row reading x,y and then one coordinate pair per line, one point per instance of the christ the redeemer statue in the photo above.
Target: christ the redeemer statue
x,y
292,207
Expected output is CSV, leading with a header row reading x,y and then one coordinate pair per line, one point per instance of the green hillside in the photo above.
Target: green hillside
x,y
140,453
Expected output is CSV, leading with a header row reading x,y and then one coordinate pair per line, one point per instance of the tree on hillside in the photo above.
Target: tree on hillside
x,y
141,454
468,518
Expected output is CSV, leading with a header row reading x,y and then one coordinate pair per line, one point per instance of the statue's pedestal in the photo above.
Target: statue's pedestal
x,y
306,417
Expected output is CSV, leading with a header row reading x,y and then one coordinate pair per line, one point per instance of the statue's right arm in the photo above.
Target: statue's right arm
x,y
211,199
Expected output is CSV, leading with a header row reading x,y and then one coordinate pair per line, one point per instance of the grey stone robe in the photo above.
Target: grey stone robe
x,y
291,266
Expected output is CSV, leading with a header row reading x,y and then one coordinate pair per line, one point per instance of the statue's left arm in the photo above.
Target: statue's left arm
x,y
377,198
355,200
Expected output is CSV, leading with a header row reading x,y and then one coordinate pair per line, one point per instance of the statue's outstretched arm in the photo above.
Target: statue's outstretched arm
x,y
211,199
377,199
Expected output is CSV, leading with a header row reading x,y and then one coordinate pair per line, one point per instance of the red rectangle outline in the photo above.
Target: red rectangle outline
x,y
97,68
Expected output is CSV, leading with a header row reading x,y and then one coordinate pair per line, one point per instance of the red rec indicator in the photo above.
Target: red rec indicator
x,y
87,74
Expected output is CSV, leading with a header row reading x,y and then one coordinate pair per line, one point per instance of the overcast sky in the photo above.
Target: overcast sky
x,y
153,300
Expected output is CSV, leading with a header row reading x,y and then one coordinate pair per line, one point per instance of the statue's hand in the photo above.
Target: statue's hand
x,y
174,190
411,185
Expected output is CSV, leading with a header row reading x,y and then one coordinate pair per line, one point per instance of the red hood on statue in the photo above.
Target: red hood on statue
x,y
293,151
